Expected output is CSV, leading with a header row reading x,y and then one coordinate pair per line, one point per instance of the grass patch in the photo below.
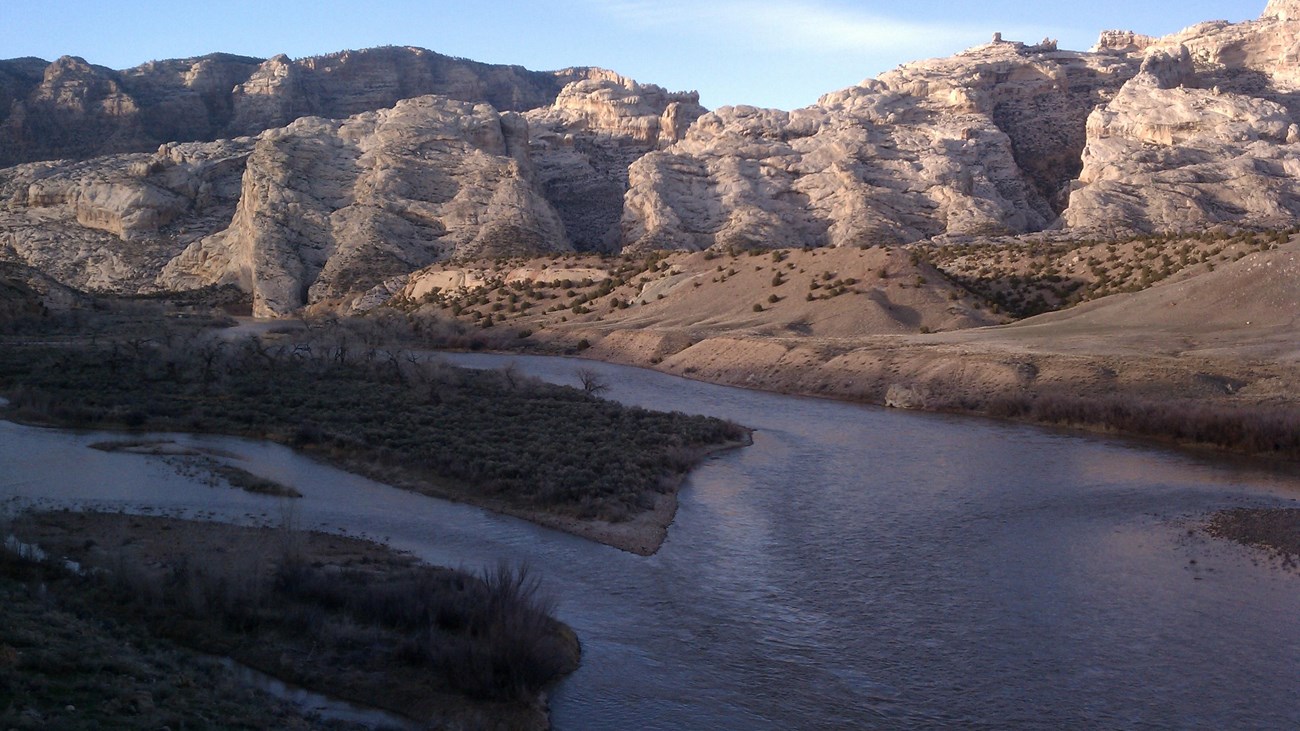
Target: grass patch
x,y
200,460
1252,430
335,615
249,482
491,437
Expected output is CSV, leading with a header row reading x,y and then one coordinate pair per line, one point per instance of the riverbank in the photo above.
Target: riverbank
x,y
354,398
848,539
1274,530
1206,357
1222,403
348,618
641,532
60,667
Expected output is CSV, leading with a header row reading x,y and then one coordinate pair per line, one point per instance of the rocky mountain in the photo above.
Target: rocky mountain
x,y
316,180
328,207
324,207
73,109
586,142
26,293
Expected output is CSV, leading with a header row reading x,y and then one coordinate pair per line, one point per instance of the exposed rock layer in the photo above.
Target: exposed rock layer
x,y
584,144
330,208
73,109
1142,134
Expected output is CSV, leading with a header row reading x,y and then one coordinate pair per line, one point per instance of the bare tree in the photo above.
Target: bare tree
x,y
592,382
510,372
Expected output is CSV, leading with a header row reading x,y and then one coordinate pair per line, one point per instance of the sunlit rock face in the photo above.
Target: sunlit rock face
x,y
111,223
1204,135
337,175
73,109
1166,157
305,213
584,144
329,207
980,143
1283,10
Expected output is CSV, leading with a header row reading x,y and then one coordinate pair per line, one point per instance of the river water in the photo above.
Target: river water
x,y
854,568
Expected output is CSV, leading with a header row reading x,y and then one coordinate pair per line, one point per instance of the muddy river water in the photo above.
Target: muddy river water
x,y
854,568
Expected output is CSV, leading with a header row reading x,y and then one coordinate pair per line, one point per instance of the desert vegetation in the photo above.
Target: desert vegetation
x,y
1025,276
348,393
514,305
336,615
1251,429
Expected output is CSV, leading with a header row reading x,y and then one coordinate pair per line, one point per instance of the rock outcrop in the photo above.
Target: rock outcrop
x,y
110,224
1162,157
342,84
1204,135
27,293
584,144
329,208
358,168
73,109
1282,10
917,153
318,210
1122,42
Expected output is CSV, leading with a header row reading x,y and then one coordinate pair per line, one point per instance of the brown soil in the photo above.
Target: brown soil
x,y
1225,337
1224,340
830,293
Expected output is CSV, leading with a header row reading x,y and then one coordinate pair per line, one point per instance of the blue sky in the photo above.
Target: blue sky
x,y
762,52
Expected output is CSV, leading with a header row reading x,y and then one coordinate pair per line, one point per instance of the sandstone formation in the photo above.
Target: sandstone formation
x,y
312,211
1204,135
337,176
73,109
1163,157
330,207
584,144
29,293
1181,132
112,223
928,149
342,84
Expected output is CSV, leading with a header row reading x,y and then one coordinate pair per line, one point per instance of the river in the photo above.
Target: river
x,y
854,568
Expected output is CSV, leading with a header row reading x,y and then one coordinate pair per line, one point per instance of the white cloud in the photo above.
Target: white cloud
x,y
805,25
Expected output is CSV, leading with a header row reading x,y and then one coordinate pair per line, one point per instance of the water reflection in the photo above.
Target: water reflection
x,y
854,568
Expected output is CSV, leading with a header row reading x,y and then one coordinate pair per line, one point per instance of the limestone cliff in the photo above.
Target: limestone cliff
x,y
73,109
329,207
584,144
928,149
339,175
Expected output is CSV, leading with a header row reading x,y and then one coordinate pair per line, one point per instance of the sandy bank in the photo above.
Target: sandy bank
x,y
986,372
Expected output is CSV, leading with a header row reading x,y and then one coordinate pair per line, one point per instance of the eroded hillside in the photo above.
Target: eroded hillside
x,y
360,168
